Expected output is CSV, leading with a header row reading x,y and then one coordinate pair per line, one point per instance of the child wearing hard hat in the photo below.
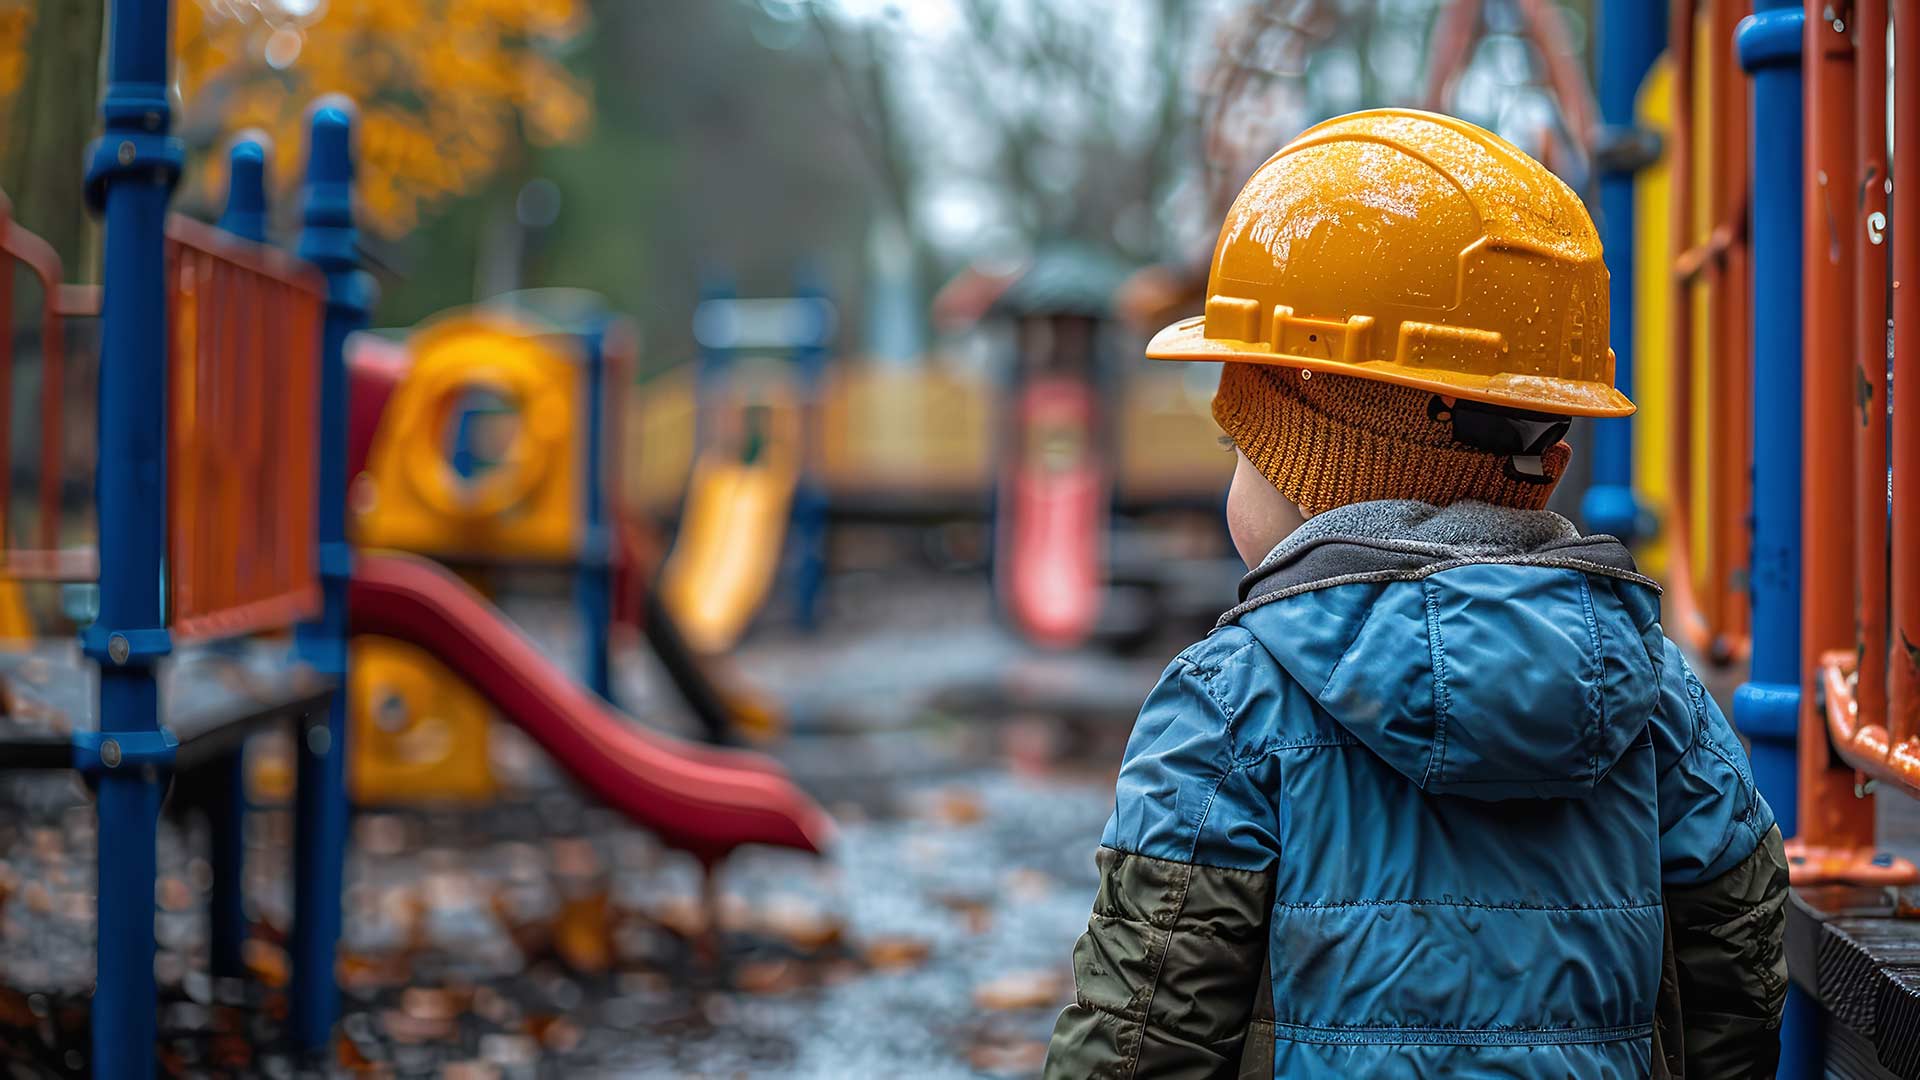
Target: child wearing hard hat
x,y
1436,797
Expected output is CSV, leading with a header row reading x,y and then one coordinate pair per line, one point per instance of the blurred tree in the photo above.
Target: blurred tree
x,y
448,89
998,125
47,115
718,150
1006,123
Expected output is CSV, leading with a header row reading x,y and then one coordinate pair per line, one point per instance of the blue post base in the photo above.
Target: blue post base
x,y
227,820
319,872
131,763
1768,714
124,996
1611,509
809,527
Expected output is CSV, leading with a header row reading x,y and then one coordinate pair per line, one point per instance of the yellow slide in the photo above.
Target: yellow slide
x,y
727,553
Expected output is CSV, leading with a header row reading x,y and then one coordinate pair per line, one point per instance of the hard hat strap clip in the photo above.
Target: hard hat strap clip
x,y
1520,434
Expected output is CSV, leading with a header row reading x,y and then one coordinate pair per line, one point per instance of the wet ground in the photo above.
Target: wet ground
x,y
542,936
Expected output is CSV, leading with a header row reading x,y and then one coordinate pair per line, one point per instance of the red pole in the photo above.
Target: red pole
x,y
1828,812
1904,714
1730,365
1866,220
1685,598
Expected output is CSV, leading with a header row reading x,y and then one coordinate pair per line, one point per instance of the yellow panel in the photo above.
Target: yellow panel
x,y
1652,351
1705,138
918,431
528,504
419,734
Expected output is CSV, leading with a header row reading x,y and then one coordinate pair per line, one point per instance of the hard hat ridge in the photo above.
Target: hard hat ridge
x,y
1415,249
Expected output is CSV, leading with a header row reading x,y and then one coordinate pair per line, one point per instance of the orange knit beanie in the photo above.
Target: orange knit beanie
x,y
1329,440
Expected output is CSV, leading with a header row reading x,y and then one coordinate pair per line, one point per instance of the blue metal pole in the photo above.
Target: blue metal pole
x,y
1767,707
710,364
130,175
327,241
245,216
807,522
593,583
1632,33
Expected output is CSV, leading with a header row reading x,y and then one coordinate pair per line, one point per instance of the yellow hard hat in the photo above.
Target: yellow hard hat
x,y
1414,249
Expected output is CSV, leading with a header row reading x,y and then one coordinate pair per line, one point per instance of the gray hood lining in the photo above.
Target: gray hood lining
x,y
1405,540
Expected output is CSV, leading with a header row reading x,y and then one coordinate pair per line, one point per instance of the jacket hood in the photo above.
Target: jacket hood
x,y
1481,651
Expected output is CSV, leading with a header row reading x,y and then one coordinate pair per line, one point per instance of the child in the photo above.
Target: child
x,y
1436,798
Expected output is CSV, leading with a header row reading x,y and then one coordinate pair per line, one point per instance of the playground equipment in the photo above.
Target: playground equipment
x,y
207,459
1078,441
220,493
411,494
1790,468
483,442
749,495
709,801
1055,484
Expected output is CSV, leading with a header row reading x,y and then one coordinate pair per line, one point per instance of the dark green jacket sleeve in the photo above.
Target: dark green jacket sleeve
x,y
1167,974
1728,970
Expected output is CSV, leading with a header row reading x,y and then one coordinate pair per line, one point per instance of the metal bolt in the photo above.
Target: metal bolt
x,y
319,740
126,152
118,649
110,754
1305,375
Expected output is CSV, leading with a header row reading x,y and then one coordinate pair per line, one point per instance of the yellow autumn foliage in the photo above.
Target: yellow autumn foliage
x,y
16,21
446,88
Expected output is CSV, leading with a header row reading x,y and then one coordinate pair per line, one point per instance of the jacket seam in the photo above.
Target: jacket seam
x,y
1412,1036
1345,651
1695,717
1227,709
1437,654
1160,965
1596,699
1308,742
1595,909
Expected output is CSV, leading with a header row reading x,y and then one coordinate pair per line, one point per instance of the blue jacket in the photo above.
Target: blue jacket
x,y
1413,810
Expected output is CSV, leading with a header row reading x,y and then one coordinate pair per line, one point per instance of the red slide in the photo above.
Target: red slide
x,y
701,799
1053,515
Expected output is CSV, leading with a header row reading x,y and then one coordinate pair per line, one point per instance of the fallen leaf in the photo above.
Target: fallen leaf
x,y
267,963
974,911
886,953
799,924
583,934
957,807
556,1033
431,1003
405,1028
363,971
767,976
174,894
1021,990
681,915
1022,1058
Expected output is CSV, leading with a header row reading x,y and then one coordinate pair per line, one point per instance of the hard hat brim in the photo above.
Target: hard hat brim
x,y
1187,340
